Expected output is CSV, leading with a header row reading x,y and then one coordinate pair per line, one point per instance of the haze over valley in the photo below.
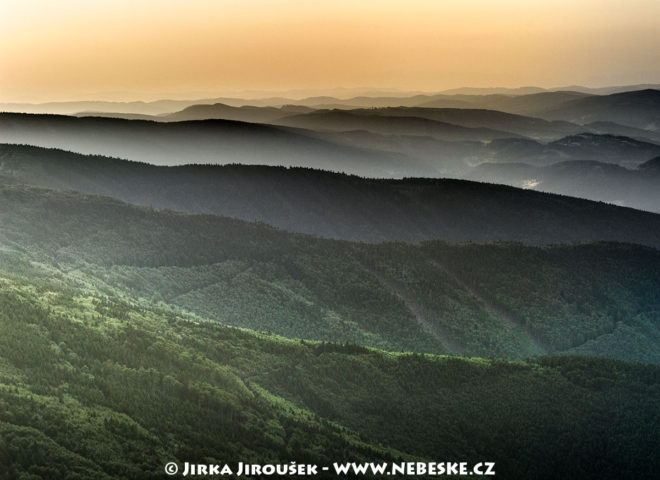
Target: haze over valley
x,y
589,145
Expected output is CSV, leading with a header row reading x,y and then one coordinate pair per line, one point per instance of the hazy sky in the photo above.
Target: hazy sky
x,y
71,49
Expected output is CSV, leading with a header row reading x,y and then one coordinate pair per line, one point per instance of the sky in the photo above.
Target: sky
x,y
145,49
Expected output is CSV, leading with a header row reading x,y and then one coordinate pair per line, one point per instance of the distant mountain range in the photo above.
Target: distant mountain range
x,y
473,118
613,149
631,114
381,143
534,98
224,141
245,113
577,131
639,109
201,142
567,88
343,120
585,179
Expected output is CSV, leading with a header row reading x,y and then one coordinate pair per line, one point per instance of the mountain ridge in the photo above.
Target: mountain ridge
x,y
505,300
204,141
336,205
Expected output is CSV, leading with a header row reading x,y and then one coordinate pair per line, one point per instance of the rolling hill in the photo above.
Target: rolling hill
x,y
508,300
618,150
463,114
246,113
639,109
211,141
348,120
341,206
358,152
530,104
637,188
478,118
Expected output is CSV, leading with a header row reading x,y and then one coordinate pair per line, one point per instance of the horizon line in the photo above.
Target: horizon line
x,y
297,93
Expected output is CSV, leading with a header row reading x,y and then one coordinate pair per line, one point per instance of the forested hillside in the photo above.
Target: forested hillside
x,y
339,206
506,300
93,386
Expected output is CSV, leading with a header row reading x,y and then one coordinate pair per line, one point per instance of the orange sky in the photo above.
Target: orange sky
x,y
74,49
